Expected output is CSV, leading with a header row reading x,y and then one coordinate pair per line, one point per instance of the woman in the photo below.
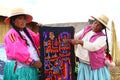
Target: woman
x,y
21,46
90,50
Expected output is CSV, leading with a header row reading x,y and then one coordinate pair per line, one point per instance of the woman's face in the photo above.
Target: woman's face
x,y
20,22
97,26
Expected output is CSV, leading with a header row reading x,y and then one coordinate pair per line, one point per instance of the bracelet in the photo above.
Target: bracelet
x,y
32,62
28,61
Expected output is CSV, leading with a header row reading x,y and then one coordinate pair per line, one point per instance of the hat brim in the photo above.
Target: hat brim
x,y
28,18
100,22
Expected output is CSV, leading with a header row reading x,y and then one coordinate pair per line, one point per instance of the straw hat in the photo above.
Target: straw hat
x,y
18,11
102,19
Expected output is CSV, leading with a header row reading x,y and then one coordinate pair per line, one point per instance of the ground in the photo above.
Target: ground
x,y
115,73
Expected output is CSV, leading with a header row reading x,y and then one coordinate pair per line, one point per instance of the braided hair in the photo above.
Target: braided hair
x,y
24,29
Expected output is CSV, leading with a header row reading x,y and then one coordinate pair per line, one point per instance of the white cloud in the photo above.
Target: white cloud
x,y
55,11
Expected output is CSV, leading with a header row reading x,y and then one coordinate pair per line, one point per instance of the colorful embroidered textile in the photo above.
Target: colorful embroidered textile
x,y
57,55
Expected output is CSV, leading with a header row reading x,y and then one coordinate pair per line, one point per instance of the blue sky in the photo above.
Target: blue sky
x,y
60,11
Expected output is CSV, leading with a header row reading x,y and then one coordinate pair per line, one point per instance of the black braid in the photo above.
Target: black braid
x,y
104,27
107,53
28,34
107,41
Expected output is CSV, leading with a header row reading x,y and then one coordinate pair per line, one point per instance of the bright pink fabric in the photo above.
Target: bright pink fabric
x,y
17,49
97,59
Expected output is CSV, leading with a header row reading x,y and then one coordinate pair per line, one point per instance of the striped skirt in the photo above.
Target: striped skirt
x,y
86,73
24,73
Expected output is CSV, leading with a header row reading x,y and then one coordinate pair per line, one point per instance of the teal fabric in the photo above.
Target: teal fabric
x,y
86,73
24,73
8,70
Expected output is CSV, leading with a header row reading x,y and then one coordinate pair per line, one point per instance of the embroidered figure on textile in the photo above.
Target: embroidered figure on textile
x,y
57,56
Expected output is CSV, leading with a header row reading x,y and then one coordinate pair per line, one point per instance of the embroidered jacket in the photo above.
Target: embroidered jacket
x,y
96,57
16,47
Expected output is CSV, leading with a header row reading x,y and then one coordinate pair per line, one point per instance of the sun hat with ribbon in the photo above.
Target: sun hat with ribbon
x,y
18,11
102,19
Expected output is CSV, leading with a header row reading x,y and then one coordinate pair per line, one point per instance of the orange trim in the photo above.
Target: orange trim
x,y
12,40
13,36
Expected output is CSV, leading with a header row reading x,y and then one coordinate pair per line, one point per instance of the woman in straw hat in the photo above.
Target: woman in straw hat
x,y
21,46
90,50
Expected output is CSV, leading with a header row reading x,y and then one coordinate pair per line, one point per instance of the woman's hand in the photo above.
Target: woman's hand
x,y
74,42
37,64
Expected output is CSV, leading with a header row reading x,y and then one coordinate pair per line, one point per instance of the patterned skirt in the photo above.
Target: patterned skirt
x,y
86,73
24,73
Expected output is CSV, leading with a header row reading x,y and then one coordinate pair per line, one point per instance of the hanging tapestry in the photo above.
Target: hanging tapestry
x,y
57,55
